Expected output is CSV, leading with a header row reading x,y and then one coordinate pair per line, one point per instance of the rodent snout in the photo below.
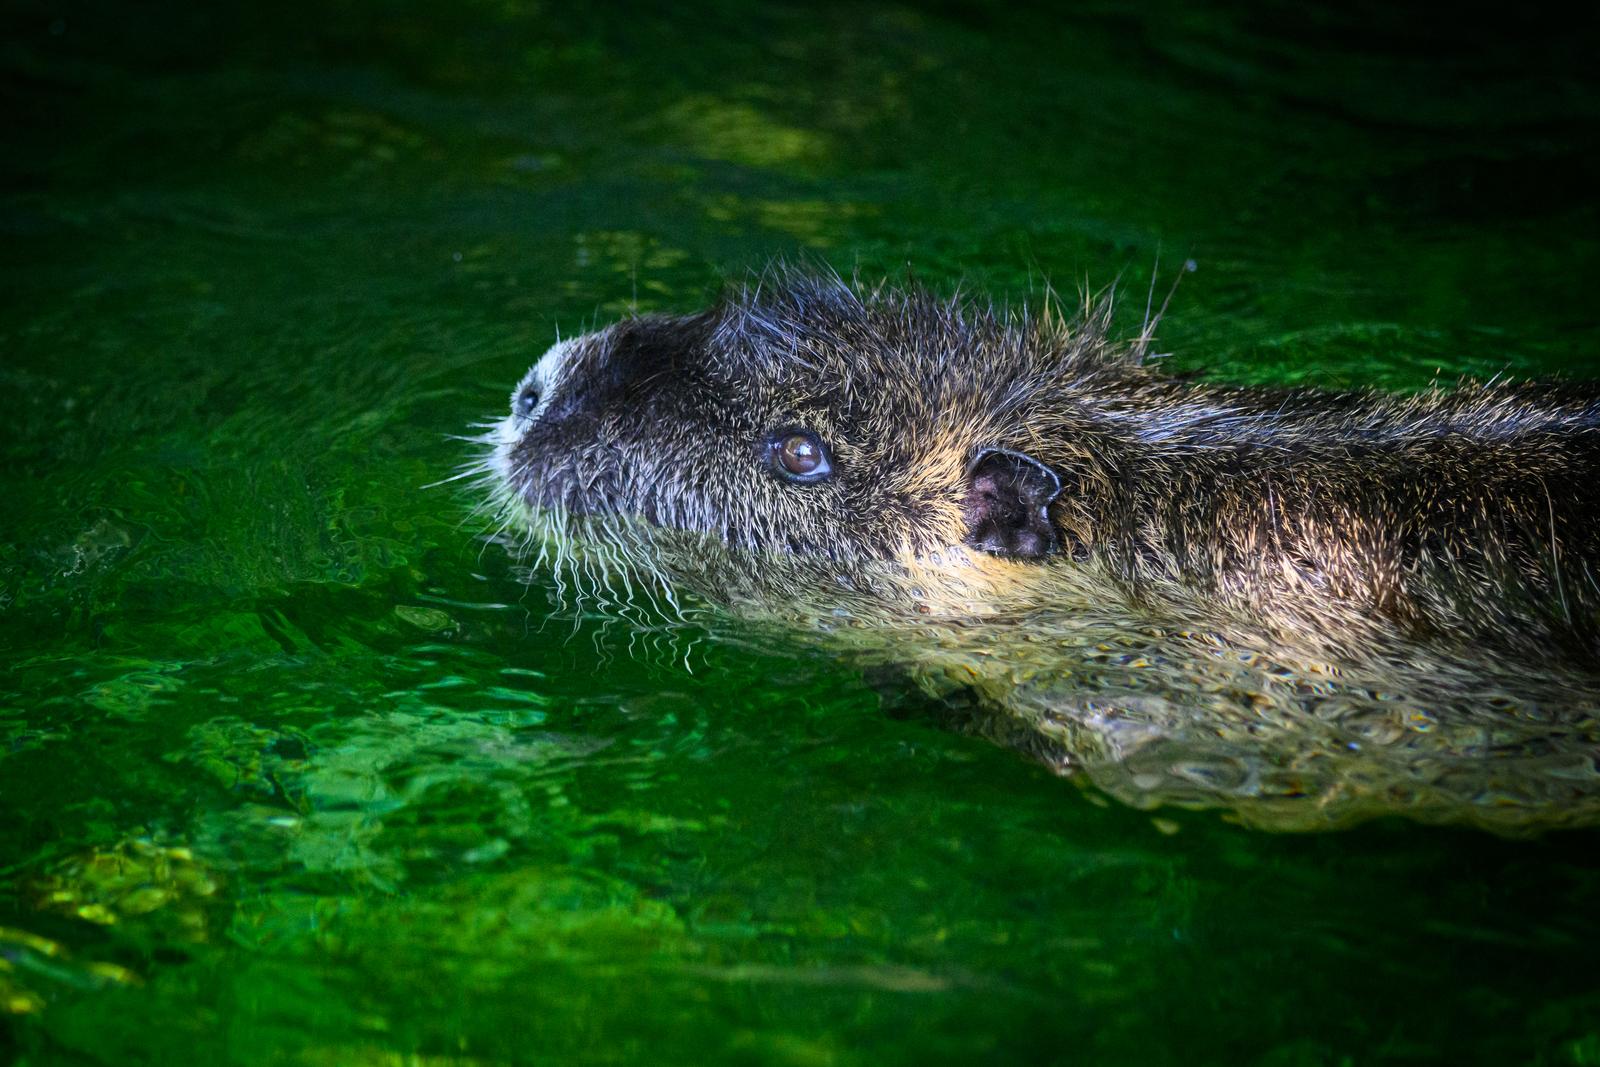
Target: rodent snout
x,y
526,400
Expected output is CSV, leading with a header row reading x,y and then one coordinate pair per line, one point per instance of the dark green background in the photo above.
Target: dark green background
x,y
282,740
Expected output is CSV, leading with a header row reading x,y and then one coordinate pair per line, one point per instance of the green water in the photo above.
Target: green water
x,y
293,770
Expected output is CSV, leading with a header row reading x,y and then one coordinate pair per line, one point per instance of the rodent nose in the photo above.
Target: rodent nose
x,y
526,401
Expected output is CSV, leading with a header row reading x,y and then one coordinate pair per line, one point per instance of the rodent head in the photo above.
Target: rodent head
x,y
805,419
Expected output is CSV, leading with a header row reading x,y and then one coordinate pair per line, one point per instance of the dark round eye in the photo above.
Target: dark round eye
x,y
526,401
799,456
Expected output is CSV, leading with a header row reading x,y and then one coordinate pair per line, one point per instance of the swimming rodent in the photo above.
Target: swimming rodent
x,y
1307,607
997,457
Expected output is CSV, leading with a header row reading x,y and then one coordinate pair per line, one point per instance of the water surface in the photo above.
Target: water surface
x,y
295,770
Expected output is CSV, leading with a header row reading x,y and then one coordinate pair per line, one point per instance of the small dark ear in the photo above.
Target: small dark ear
x,y
1008,504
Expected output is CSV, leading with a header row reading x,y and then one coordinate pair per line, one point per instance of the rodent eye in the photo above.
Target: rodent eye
x,y
799,456
526,401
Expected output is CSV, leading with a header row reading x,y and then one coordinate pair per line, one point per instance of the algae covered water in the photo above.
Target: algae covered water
x,y
294,768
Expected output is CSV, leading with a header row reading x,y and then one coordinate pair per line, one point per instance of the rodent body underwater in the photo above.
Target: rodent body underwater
x,y
806,422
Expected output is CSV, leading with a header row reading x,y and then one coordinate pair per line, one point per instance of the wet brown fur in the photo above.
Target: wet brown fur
x,y
1465,515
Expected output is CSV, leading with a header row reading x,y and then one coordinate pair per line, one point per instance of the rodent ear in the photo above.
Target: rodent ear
x,y
1007,506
